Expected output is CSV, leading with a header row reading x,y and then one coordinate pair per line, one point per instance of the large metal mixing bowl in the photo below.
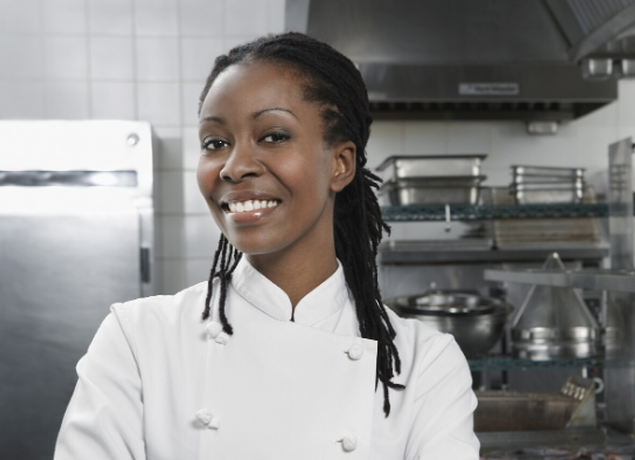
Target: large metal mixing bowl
x,y
476,322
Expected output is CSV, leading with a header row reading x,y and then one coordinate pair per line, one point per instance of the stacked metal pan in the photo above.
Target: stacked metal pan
x,y
431,179
541,184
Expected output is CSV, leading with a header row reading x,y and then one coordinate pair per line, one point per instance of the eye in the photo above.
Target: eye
x,y
214,144
275,137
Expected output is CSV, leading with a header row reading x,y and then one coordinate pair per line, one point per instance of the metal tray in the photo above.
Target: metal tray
x,y
557,186
439,190
401,166
564,173
547,195
548,181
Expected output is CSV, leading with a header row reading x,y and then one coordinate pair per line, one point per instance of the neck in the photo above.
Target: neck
x,y
297,274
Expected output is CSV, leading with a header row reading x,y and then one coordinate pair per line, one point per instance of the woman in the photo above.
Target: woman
x,y
295,357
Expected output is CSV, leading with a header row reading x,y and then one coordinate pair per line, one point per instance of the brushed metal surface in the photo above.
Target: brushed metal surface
x,y
58,277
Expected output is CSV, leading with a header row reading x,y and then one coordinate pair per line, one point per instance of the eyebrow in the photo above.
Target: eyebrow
x,y
216,119
253,116
261,112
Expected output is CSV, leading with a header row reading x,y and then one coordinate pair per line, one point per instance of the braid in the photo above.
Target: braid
x,y
331,80
229,258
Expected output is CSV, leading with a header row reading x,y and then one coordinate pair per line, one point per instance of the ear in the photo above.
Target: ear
x,y
344,165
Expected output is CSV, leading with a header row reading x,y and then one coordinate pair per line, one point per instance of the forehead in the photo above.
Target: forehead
x,y
257,85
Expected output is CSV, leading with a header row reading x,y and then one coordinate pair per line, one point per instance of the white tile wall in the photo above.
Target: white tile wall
x,y
191,147
66,99
21,99
197,57
202,18
159,103
110,17
158,59
194,203
112,58
159,18
169,153
113,100
191,94
245,17
20,17
148,59
201,236
66,17
65,57
424,138
21,57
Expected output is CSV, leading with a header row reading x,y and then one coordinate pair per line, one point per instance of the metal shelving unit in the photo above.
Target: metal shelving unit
x,y
588,279
507,363
467,212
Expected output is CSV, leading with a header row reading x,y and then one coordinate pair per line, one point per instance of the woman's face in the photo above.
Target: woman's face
x,y
265,171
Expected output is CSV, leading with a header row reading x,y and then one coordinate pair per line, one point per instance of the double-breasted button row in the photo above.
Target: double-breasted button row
x,y
207,418
215,332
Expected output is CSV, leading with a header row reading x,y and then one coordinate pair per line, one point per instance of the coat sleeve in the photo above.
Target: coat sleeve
x,y
104,419
443,427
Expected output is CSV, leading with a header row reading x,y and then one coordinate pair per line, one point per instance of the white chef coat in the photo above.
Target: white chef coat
x,y
158,382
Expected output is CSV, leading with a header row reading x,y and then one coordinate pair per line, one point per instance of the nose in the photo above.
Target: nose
x,y
241,164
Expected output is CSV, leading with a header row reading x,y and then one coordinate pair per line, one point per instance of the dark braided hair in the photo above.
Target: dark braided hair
x,y
332,81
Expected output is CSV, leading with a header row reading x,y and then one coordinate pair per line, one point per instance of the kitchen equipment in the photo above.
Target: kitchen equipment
x,y
547,172
573,406
476,322
400,166
543,234
527,193
554,322
545,184
436,190
527,69
76,235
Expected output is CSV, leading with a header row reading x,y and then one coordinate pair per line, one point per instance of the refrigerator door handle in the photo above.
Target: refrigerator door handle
x,y
145,264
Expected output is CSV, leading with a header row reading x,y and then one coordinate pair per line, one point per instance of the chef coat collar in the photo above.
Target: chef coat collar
x,y
322,302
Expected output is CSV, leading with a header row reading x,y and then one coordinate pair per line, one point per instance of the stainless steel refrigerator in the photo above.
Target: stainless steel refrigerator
x,y
76,235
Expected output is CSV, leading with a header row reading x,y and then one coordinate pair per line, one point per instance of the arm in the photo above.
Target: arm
x,y
443,424
104,419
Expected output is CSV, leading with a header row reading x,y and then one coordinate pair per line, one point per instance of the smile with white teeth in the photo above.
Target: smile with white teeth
x,y
251,205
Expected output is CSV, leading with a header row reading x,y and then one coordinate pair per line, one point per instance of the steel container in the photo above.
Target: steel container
x,y
530,193
400,166
476,322
436,190
548,171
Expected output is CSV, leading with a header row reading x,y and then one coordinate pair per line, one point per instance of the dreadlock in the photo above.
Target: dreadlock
x,y
332,81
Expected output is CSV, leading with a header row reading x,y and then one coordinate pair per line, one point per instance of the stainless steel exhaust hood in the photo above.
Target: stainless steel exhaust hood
x,y
533,60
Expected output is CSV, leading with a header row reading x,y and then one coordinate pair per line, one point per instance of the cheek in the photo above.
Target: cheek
x,y
205,176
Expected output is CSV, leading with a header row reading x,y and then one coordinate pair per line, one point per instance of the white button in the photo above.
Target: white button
x,y
213,329
204,416
356,351
222,338
349,443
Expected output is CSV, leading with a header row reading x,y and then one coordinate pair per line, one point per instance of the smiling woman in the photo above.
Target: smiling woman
x,y
294,342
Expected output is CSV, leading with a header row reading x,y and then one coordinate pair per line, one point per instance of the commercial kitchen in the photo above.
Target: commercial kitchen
x,y
503,132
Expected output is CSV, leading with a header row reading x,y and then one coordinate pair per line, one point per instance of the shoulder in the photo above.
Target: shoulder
x,y
420,346
162,315
168,307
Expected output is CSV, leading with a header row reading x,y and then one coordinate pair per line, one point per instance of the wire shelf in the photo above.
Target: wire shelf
x,y
507,363
465,212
